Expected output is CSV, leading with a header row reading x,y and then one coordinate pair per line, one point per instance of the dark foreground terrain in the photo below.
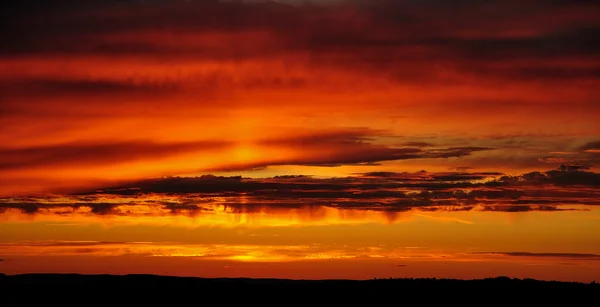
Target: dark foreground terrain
x,y
94,288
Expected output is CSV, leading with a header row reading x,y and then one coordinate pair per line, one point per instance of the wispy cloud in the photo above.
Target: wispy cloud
x,y
77,154
543,255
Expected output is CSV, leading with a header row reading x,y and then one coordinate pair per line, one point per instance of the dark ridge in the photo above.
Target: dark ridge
x,y
148,287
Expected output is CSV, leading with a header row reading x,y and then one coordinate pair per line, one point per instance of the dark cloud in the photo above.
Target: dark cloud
x,y
462,168
374,35
62,87
113,95
550,255
555,73
384,192
356,147
30,207
417,144
567,175
103,209
373,185
91,26
453,152
183,208
574,168
576,42
425,176
524,208
579,158
74,154
590,146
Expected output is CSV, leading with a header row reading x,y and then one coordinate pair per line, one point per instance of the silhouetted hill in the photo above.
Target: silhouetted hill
x,y
65,287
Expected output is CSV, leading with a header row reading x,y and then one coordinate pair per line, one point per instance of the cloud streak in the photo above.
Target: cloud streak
x,y
543,255
377,192
77,154
322,149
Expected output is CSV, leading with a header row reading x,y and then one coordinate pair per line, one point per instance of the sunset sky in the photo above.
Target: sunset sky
x,y
301,139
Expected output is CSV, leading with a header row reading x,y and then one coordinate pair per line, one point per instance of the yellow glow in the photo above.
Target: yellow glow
x,y
428,240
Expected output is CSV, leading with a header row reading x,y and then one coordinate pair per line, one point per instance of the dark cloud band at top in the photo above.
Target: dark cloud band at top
x,y
294,30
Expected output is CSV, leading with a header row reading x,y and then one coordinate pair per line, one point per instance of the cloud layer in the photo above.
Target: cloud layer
x,y
377,192
112,91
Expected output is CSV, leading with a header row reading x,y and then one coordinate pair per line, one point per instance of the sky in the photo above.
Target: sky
x,y
301,139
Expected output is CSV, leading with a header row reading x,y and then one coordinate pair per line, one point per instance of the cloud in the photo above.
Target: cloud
x,y
380,192
549,255
356,147
88,153
41,87
525,208
454,152
582,157
591,146
321,149
97,208
91,76
568,175
556,73
349,25
574,168
326,149
375,185
71,243
184,208
103,209
417,144
425,176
